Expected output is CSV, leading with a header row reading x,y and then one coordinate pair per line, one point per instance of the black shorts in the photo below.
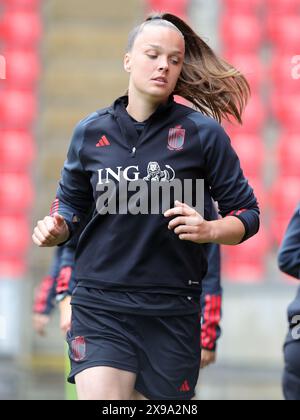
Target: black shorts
x,y
164,351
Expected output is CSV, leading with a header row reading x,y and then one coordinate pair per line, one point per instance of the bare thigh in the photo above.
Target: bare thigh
x,y
137,396
105,383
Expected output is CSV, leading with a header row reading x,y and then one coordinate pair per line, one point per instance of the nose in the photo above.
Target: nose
x,y
163,64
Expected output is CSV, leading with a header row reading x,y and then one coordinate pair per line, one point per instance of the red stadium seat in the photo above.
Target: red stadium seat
x,y
250,150
284,32
250,66
285,74
282,7
260,192
18,108
14,236
278,228
17,150
176,7
21,4
288,154
237,271
242,6
254,116
21,28
286,109
245,263
240,34
12,267
16,193
285,196
23,68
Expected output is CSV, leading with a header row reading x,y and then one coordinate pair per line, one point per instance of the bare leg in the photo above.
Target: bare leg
x,y
137,396
105,383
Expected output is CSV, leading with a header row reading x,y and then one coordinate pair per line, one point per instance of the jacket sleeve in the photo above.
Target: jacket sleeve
x,y
66,281
44,301
226,180
289,253
74,197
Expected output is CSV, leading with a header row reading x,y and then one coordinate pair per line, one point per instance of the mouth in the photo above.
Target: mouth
x,y
160,80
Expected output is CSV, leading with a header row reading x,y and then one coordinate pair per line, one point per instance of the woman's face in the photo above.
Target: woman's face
x,y
155,62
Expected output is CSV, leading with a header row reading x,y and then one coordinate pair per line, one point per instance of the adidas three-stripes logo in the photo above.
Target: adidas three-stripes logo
x,y
185,387
103,142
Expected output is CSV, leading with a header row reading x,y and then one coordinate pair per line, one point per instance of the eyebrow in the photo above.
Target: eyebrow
x,y
158,47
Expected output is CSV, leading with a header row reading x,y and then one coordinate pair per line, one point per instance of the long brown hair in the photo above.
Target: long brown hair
x,y
211,84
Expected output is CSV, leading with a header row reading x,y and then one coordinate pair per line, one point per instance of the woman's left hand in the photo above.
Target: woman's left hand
x,y
189,225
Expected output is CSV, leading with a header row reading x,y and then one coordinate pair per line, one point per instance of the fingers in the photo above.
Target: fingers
x,y
180,208
36,241
189,237
44,231
203,364
188,224
59,220
49,230
181,220
207,358
41,235
188,221
185,229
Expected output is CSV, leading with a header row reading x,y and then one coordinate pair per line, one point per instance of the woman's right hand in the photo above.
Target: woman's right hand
x,y
51,231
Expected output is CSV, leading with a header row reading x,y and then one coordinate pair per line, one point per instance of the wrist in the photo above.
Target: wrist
x,y
66,234
213,231
64,237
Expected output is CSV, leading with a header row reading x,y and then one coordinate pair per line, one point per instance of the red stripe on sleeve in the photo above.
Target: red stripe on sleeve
x,y
42,294
212,318
63,280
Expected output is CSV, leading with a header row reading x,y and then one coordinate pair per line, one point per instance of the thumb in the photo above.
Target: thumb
x,y
59,220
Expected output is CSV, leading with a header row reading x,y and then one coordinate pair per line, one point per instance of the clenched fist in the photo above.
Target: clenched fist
x,y
51,231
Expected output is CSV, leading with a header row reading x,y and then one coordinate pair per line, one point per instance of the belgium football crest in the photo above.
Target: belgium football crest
x,y
176,138
78,349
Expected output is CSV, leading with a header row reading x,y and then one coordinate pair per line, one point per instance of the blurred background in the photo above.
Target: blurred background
x,y
61,60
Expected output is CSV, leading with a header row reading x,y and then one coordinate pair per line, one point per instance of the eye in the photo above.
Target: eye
x,y
175,61
153,57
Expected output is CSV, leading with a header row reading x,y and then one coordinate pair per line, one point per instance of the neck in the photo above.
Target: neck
x,y
139,107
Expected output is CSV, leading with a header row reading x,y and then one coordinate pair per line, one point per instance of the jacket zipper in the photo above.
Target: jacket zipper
x,y
133,151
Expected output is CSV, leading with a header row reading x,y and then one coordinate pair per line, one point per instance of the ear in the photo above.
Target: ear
x,y
127,63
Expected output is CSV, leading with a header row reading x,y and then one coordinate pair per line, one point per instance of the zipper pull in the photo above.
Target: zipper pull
x,y
133,151
193,282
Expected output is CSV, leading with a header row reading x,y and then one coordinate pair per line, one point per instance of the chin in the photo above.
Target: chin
x,y
158,94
